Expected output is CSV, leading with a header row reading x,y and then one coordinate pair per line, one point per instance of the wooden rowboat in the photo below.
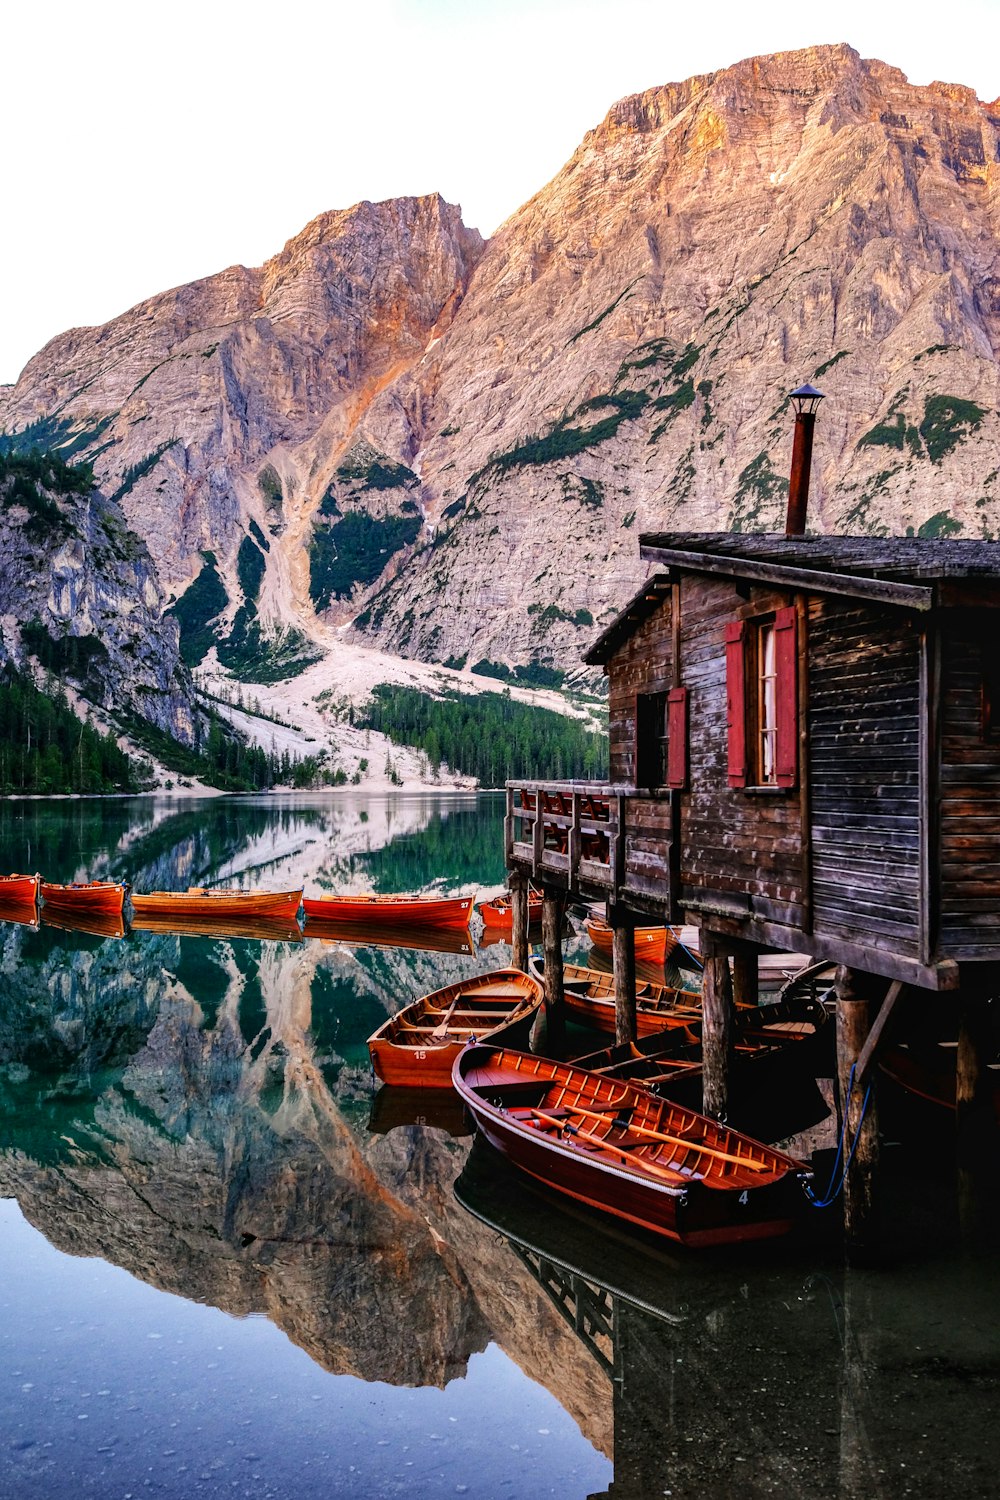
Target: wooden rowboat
x,y
418,1046
652,944
590,1000
107,896
22,889
244,906
777,1052
423,911
620,1149
497,915
929,1070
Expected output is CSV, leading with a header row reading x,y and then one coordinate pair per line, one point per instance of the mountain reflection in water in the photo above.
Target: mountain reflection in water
x,y
199,1111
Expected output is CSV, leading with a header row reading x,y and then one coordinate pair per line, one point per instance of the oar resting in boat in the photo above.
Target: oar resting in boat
x,y
606,1116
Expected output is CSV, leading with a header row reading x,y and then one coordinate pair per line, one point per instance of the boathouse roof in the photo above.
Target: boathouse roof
x,y
904,571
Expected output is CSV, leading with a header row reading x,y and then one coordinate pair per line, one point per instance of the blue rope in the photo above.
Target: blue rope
x,y
833,1192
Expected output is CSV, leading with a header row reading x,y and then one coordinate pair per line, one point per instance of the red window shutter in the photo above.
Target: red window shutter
x,y
736,708
786,747
677,738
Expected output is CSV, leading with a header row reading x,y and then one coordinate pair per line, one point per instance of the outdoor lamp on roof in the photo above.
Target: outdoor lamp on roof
x,y
805,399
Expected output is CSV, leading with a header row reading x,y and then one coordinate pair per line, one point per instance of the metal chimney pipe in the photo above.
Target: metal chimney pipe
x,y
805,399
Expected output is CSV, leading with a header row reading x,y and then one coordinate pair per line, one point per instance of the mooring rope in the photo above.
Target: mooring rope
x,y
833,1192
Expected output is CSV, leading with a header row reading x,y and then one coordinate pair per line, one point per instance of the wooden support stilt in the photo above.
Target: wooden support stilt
x,y
519,918
854,995
717,1026
623,959
745,978
548,1034
976,1134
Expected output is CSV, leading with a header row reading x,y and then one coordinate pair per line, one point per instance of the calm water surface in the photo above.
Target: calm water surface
x,y
229,1266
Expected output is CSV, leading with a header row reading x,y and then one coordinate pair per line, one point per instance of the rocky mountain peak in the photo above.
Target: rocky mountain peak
x,y
390,414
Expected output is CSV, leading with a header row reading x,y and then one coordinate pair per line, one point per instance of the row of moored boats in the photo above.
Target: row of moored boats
x,y
114,897
617,1129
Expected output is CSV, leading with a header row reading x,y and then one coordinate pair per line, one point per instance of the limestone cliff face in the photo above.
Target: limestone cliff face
x,y
622,357
388,415
79,596
233,400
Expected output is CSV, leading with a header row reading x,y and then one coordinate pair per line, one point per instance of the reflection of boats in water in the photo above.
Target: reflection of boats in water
x,y
396,911
357,935
549,1233
102,896
207,905
619,1148
99,924
260,929
394,1108
24,913
418,1046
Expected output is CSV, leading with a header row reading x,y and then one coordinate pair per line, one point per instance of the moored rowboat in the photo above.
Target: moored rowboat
x,y
424,911
19,888
652,944
106,896
418,1047
776,1054
497,914
590,1000
618,1148
248,906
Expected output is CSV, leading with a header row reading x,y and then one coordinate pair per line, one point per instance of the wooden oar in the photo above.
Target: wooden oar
x,y
671,1174
672,1140
441,1030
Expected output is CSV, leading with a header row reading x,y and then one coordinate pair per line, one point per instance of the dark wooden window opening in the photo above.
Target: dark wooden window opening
x,y
651,739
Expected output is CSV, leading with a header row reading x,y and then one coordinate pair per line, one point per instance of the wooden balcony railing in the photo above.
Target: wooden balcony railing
x,y
571,833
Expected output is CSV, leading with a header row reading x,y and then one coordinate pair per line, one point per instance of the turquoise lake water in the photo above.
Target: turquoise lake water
x,y
230,1266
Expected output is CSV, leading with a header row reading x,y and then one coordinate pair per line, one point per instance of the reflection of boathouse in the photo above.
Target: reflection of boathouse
x,y
805,756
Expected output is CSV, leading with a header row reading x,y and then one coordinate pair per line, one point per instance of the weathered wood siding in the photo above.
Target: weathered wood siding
x,y
734,843
864,769
970,790
647,846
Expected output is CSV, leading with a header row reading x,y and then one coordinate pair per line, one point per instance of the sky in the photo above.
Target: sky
x,y
148,144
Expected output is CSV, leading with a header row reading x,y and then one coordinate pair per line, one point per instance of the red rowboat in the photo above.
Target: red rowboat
x,y
19,888
496,914
423,911
652,944
241,906
90,896
418,1047
622,1150
589,997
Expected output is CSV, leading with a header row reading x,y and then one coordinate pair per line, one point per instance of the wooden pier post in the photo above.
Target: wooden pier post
x,y
746,981
854,993
548,1034
518,883
716,1025
622,926
977,1137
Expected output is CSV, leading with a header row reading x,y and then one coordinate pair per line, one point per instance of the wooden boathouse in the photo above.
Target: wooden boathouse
x,y
804,756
